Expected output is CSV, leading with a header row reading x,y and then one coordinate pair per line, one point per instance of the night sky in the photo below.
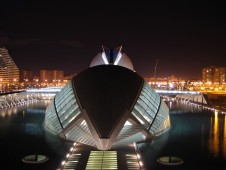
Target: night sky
x,y
184,36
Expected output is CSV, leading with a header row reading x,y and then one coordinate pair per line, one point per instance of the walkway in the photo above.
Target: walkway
x,y
83,157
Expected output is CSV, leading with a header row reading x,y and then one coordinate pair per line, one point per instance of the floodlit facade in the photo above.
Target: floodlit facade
x,y
9,72
107,105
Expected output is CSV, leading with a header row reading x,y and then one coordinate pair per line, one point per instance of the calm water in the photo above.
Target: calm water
x,y
197,136
219,101
21,134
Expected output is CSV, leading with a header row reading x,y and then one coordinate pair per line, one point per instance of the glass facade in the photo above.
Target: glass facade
x,y
66,105
62,110
81,133
151,113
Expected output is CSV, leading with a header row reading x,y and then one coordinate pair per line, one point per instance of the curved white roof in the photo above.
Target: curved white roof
x,y
115,58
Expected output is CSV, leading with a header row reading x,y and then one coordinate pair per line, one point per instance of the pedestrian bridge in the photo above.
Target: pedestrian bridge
x,y
24,97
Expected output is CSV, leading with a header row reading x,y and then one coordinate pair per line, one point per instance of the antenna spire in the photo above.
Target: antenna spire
x,y
155,67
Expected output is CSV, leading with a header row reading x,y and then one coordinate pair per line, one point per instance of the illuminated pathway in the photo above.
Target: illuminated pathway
x,y
85,157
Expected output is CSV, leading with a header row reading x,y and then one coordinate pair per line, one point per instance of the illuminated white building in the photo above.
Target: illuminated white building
x,y
107,105
9,72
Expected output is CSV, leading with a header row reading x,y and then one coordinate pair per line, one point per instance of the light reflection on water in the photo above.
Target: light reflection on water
x,y
224,143
214,144
217,135
197,135
22,133
8,112
31,108
26,111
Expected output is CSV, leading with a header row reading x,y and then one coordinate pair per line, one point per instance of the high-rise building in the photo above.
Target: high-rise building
x,y
219,75
51,76
207,74
26,76
214,75
9,72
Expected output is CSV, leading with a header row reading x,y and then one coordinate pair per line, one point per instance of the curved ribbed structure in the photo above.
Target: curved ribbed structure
x,y
106,106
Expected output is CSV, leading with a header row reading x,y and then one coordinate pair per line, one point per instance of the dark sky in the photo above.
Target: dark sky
x,y
184,36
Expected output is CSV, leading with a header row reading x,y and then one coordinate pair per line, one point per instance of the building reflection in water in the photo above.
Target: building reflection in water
x,y
217,138
224,138
28,108
8,112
